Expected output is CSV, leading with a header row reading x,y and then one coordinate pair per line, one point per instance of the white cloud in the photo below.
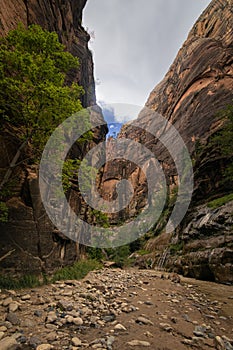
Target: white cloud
x,y
135,43
119,112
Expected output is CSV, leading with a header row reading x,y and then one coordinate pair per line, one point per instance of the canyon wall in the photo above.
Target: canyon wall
x,y
29,243
197,86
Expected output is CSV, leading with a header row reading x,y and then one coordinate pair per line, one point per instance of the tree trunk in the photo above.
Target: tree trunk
x,y
12,164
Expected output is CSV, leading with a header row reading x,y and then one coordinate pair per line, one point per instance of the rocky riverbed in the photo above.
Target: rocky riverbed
x,y
119,309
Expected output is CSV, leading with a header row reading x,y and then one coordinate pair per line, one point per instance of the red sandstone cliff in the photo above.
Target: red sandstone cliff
x,y
198,85
28,237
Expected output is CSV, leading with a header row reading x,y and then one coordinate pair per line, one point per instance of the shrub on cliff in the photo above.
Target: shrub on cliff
x,y
223,140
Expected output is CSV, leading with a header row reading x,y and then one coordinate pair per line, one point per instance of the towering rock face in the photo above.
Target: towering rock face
x,y
63,17
28,241
198,85
200,81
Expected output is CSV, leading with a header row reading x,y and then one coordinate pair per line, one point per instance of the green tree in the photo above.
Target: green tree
x,y
33,93
223,139
3,212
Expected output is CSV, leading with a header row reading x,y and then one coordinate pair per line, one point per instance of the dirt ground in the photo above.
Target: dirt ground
x,y
119,310
157,299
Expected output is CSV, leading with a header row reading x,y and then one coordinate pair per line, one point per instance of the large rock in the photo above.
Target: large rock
x,y
8,343
208,240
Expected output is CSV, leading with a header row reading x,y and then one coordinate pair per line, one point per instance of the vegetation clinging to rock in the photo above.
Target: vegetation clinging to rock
x,y
33,93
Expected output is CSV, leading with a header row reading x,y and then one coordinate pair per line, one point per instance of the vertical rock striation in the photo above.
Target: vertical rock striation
x,y
28,240
198,84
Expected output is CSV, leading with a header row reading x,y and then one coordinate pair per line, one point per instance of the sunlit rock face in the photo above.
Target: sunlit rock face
x,y
197,86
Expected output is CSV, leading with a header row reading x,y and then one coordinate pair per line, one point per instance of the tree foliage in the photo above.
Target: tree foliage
x,y
3,212
223,139
33,93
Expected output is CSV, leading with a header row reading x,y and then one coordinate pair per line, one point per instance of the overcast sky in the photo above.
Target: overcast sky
x,y
135,43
